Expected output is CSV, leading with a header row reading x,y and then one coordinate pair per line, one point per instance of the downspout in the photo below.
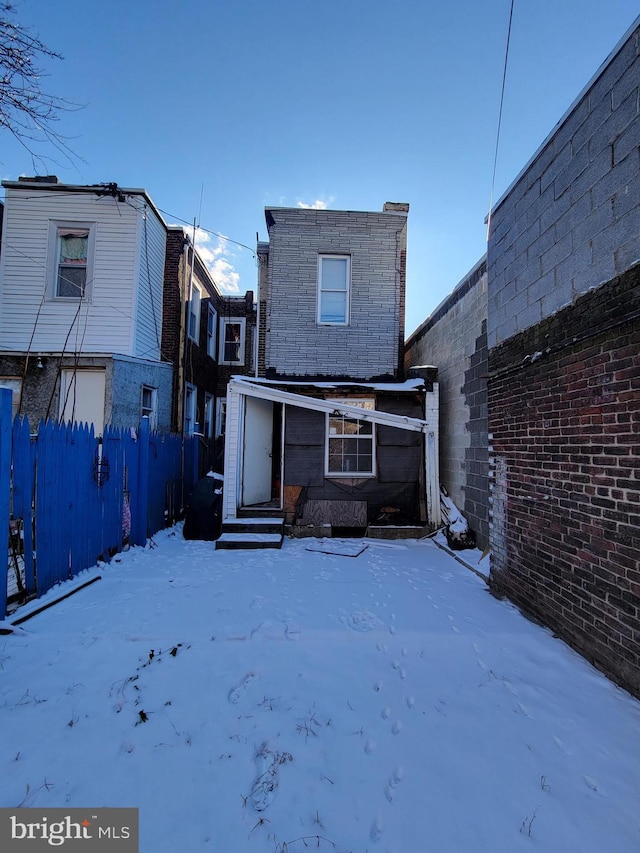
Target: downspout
x,y
183,338
257,347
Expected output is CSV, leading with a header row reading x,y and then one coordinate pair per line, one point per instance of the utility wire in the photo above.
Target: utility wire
x,y
104,194
495,158
208,231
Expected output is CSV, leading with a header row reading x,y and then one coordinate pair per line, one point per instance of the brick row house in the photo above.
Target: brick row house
x,y
329,432
107,314
208,337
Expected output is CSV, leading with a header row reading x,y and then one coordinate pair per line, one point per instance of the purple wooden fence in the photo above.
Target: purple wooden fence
x,y
72,494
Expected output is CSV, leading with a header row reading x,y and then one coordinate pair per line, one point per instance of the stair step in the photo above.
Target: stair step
x,y
253,525
249,540
260,512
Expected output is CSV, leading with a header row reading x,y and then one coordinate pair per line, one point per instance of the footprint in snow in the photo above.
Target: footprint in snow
x,y
385,713
292,632
396,728
410,702
376,830
236,693
261,630
590,782
362,621
377,686
561,746
266,783
257,604
370,746
394,780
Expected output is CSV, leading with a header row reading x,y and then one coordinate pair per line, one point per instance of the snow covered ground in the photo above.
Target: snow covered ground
x,y
283,700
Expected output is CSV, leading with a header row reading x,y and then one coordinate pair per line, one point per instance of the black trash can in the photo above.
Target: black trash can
x,y
203,519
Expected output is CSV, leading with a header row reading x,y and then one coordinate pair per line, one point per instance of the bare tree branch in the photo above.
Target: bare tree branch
x,y
27,111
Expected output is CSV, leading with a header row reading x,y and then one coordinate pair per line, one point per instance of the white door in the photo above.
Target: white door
x,y
258,445
82,397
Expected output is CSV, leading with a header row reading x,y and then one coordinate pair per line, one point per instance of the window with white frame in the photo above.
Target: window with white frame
x,y
334,272
232,332
71,260
221,416
195,297
212,328
148,405
350,445
189,409
208,416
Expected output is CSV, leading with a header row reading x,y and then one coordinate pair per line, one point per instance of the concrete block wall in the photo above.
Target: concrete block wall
x,y
453,339
369,346
569,222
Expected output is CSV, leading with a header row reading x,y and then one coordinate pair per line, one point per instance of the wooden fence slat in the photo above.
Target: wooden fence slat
x,y
5,486
22,495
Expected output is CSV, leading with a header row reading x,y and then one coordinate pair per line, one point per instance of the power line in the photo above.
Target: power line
x,y
208,231
495,157
108,190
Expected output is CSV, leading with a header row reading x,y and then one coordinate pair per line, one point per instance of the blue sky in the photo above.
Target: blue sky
x,y
220,107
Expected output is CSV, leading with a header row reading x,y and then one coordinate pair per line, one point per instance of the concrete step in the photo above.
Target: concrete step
x,y
244,540
260,512
253,525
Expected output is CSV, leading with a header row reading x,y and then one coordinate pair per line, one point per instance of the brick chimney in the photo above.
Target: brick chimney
x,y
395,207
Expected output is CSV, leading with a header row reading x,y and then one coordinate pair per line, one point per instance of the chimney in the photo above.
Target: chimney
x,y
40,179
395,207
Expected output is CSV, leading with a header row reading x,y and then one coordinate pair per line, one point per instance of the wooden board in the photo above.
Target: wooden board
x,y
338,547
335,513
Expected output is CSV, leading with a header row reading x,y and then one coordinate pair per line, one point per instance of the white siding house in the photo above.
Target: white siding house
x,y
81,280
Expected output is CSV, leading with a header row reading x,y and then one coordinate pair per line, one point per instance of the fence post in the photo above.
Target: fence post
x,y
140,525
5,485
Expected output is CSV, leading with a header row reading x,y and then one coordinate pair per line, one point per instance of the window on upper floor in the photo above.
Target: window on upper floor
x,y
148,405
212,329
71,260
195,297
350,445
232,332
334,273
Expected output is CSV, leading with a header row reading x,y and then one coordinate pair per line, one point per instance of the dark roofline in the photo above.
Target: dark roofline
x,y
98,189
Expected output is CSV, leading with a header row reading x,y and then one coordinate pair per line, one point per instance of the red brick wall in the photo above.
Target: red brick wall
x,y
564,424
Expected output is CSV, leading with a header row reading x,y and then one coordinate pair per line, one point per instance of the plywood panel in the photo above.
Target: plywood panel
x,y
336,513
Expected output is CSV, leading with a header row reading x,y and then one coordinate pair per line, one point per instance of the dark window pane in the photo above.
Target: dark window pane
x,y
71,281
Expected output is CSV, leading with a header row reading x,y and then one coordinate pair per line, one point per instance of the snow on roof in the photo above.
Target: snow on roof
x,y
408,385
